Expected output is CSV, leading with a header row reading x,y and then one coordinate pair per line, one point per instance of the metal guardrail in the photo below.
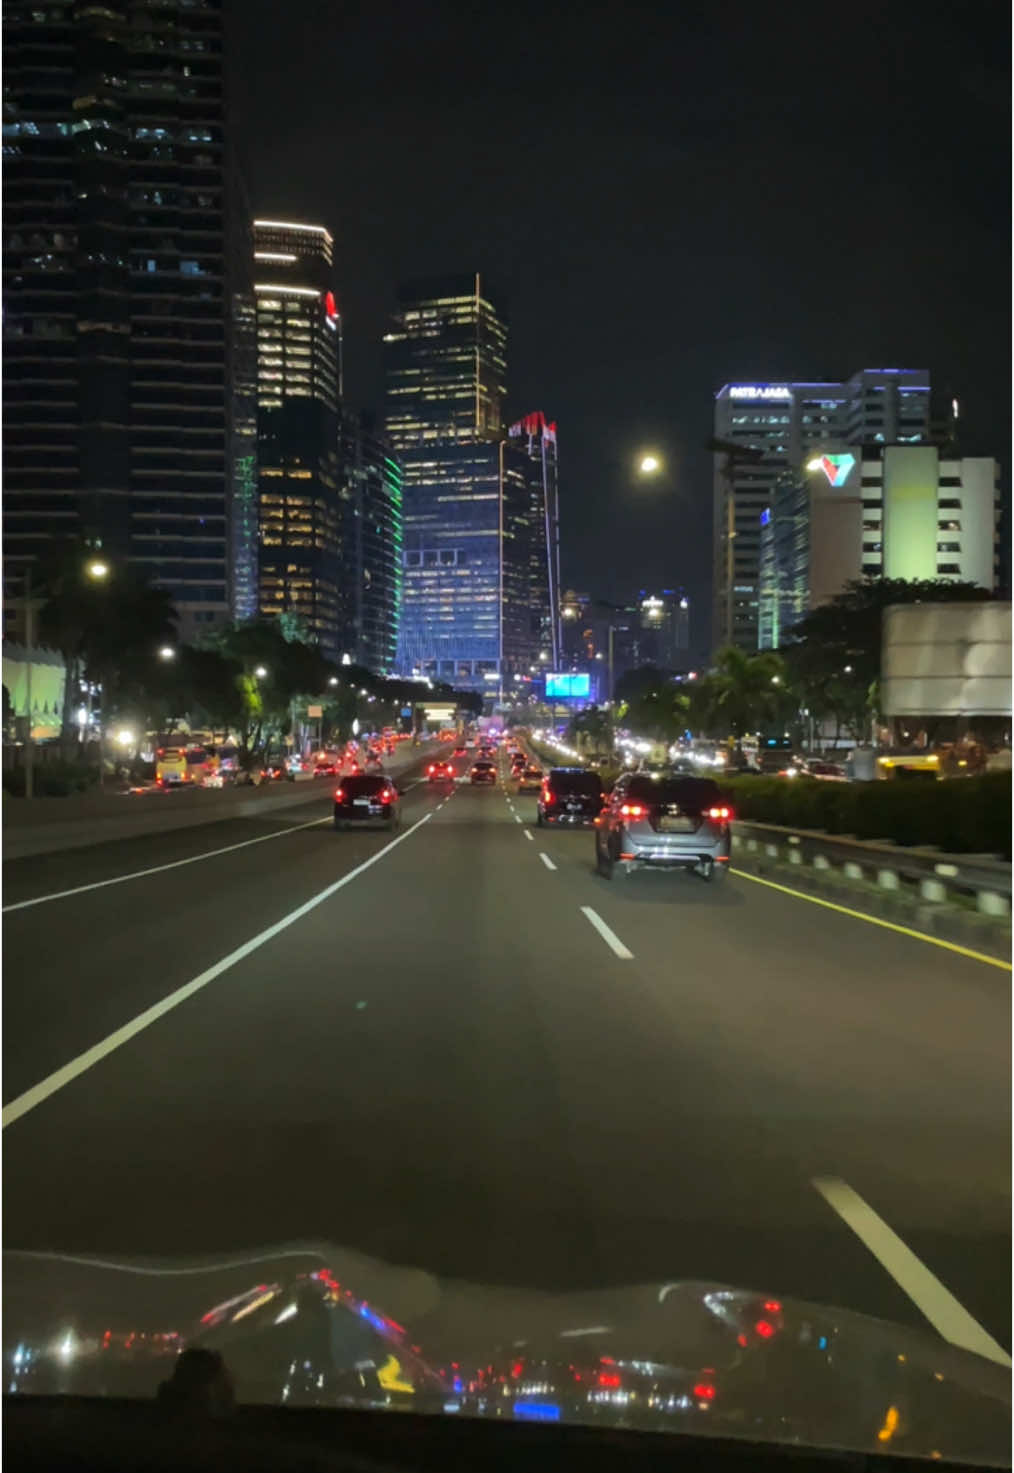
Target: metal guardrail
x,y
939,877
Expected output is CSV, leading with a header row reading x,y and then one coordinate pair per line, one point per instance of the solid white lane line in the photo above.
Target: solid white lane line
x,y
927,1293
159,869
608,935
546,860
528,835
61,1077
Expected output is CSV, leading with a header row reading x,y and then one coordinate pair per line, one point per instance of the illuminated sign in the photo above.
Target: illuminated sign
x,y
330,310
759,391
568,685
765,516
837,468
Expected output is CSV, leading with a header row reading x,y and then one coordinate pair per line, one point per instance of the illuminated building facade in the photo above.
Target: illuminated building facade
x,y
665,628
372,488
300,497
465,614
537,438
788,422
118,188
892,511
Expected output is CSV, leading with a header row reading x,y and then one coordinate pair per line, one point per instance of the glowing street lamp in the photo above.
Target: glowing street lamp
x,y
649,464
97,569
261,672
167,652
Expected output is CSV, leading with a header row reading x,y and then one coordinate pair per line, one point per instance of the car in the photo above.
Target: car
x,y
366,799
664,821
828,772
529,779
569,795
459,751
482,772
486,751
440,772
327,768
518,761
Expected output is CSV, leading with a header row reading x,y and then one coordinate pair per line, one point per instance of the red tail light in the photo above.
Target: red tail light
x,y
385,795
722,814
704,1392
634,810
548,796
339,795
431,768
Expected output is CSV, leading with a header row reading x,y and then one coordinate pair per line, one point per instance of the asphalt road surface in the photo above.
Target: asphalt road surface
x,y
463,1050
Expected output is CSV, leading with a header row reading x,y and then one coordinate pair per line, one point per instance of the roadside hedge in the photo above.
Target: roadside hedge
x,y
52,779
961,816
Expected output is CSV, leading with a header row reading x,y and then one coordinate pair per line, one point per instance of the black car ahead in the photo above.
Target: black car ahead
x,y
482,772
366,799
570,795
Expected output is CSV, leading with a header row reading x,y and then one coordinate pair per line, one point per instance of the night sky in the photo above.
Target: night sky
x,y
669,199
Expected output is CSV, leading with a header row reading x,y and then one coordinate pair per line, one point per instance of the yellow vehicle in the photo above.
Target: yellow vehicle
x,y
907,766
171,768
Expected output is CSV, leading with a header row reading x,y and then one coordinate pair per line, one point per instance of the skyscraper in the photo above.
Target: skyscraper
x,y
467,491
665,628
116,334
765,430
892,511
372,544
537,439
300,503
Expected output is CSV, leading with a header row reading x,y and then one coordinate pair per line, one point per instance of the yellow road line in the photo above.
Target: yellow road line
x,y
845,910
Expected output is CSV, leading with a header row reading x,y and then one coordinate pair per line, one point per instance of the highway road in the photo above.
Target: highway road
x,y
459,1048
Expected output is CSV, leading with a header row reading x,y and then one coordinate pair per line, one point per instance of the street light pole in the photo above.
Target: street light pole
x,y
29,652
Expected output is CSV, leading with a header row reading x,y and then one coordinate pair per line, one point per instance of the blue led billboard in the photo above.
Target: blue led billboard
x,y
568,686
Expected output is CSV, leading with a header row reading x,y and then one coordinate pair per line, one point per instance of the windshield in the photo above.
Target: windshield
x,y
686,791
584,783
362,787
612,402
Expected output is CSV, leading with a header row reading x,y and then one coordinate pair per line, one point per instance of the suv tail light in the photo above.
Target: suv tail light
x,y
548,796
385,795
339,795
634,810
722,814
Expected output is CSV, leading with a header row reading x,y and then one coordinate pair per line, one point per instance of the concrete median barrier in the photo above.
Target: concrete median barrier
x,y
48,825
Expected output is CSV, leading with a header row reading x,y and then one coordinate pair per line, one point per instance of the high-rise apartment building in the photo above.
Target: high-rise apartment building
x,y
300,501
118,189
466,612
372,488
764,431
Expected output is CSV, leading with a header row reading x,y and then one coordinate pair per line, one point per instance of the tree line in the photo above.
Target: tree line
x,y
250,679
828,668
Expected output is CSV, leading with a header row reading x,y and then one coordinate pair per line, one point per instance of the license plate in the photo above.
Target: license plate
x,y
667,824
361,803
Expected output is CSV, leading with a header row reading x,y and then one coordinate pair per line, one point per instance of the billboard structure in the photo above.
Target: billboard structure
x,y
949,659
568,685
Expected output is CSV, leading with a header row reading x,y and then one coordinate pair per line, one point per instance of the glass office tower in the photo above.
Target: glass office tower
x,y
300,500
118,186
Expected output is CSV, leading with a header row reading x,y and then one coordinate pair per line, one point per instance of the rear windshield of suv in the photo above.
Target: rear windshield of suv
x,y
362,787
587,783
688,792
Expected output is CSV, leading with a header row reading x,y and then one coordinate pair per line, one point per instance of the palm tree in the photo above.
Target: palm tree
x,y
747,691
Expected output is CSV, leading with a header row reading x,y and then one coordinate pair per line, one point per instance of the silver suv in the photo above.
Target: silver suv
x,y
663,820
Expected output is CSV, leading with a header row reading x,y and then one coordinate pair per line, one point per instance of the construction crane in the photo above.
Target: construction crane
x,y
733,452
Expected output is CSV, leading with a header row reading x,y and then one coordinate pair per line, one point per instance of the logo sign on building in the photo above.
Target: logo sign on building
x,y
568,685
317,711
837,468
760,391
